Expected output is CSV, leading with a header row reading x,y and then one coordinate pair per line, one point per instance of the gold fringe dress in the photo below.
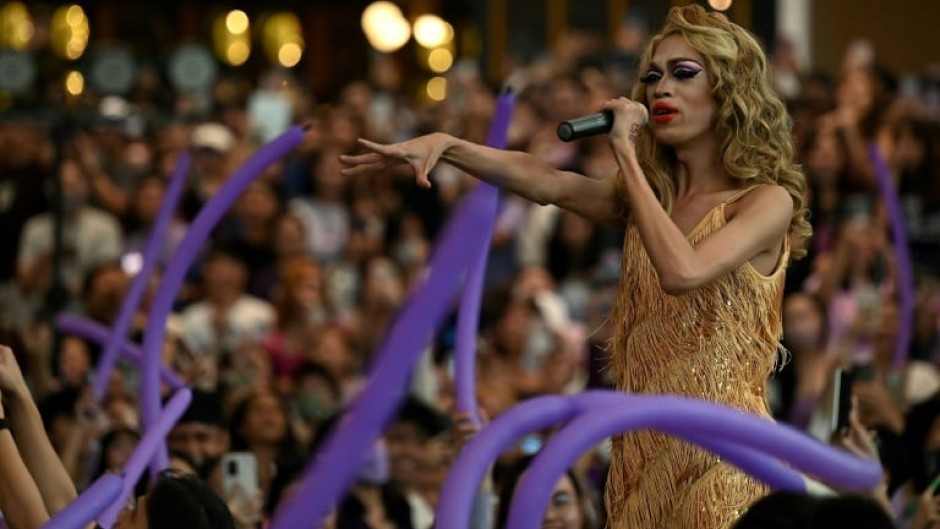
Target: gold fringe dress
x,y
717,343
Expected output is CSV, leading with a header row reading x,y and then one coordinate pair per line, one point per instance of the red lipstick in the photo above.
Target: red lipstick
x,y
663,113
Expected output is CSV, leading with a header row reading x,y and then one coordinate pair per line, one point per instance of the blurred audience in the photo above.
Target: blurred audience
x,y
282,314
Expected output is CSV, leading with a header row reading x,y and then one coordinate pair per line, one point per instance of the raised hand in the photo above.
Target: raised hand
x,y
465,428
11,378
421,153
629,117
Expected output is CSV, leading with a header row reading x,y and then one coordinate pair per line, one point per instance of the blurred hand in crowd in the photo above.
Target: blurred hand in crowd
x,y
861,442
928,508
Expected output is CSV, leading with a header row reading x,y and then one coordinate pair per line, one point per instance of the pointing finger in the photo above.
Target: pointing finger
x,y
376,147
357,159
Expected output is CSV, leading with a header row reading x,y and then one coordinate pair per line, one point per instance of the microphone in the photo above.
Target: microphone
x,y
585,126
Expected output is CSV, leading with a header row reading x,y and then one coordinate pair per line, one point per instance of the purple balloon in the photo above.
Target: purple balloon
x,y
468,471
182,259
98,333
325,481
678,415
139,285
422,314
468,316
87,506
151,442
905,269
543,412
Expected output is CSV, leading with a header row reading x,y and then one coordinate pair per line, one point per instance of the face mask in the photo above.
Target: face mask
x,y
312,408
374,469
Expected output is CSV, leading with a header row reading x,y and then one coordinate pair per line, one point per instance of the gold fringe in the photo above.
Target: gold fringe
x,y
717,343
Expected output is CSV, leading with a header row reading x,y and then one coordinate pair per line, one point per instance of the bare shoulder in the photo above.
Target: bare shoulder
x,y
766,200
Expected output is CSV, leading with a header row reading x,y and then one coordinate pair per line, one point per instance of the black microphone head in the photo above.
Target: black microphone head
x,y
585,126
565,131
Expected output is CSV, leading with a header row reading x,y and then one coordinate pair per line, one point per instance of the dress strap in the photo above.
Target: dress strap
x,y
740,193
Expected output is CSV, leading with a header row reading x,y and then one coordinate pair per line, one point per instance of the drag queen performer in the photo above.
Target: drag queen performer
x,y
713,208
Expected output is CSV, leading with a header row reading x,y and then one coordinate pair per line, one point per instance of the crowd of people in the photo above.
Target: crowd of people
x,y
286,306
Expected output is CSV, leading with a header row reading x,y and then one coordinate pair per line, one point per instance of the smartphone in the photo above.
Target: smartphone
x,y
239,474
842,400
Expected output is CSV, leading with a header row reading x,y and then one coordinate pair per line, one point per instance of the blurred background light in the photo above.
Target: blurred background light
x,y
237,52
69,32
440,60
16,26
436,89
231,40
236,21
74,83
282,38
432,31
385,26
719,5
289,54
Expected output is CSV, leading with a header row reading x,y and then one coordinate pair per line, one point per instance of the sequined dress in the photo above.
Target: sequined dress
x,y
718,343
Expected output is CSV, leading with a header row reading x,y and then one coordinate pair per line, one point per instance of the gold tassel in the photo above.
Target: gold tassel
x,y
717,343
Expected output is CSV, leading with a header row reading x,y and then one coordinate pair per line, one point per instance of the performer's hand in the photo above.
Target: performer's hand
x,y
421,153
629,117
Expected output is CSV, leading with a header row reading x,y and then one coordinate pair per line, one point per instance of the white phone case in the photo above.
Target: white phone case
x,y
239,473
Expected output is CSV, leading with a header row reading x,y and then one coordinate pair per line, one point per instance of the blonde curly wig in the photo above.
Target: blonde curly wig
x,y
751,123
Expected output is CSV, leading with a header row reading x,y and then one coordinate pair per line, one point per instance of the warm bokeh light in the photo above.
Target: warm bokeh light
x,y
74,15
74,83
431,31
231,40
69,32
385,27
437,88
237,52
16,26
289,54
719,5
377,13
236,22
440,60
282,38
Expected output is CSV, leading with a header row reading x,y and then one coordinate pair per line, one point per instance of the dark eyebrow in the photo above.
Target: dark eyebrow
x,y
674,61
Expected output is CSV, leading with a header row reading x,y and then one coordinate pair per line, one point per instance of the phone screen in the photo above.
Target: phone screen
x,y
239,473
842,395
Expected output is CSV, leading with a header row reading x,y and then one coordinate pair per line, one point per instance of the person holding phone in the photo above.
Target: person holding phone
x,y
713,207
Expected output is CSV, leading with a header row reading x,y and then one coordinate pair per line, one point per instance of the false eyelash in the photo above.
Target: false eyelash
x,y
686,73
651,77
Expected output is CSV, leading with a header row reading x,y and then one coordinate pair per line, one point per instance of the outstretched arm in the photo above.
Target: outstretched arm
x,y
20,500
758,226
516,172
40,458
